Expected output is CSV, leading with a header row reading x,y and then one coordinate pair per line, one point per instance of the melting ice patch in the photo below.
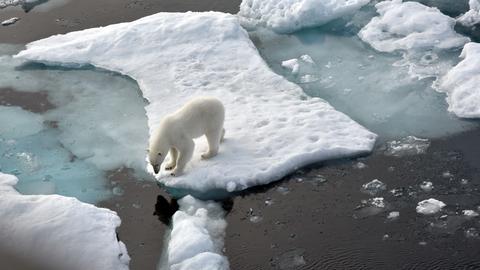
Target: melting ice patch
x,y
361,82
409,145
271,127
462,82
196,239
95,123
59,231
286,16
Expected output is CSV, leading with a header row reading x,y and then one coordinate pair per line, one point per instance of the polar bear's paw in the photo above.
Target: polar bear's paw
x,y
170,166
208,155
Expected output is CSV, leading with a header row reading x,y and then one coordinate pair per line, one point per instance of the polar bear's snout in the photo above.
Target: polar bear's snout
x,y
156,168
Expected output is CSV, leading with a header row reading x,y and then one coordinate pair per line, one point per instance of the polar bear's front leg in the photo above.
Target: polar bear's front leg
x,y
185,152
173,159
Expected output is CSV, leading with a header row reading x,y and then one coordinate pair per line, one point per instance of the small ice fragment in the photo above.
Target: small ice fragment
x,y
397,192
359,165
137,205
373,187
386,237
430,206
268,201
317,180
377,202
308,78
422,243
409,145
292,259
391,169
426,186
291,64
283,190
307,58
10,21
118,191
471,233
470,213
464,181
393,215
255,219
447,174
231,186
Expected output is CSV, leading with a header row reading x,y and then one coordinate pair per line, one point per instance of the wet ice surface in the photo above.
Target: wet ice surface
x,y
409,145
69,149
375,89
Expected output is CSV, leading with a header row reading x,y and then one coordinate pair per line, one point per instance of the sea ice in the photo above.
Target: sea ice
x,y
59,231
409,145
211,54
461,83
17,123
196,239
285,16
410,26
430,206
471,17
10,21
470,213
426,186
374,187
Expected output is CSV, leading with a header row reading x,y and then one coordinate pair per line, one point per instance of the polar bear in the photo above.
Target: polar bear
x,y
175,134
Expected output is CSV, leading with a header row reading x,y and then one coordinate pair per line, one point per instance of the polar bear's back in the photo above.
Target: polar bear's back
x,y
201,115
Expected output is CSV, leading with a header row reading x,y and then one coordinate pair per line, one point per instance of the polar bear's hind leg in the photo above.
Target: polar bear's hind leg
x,y
213,138
173,159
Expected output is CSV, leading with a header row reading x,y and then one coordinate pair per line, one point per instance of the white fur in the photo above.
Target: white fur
x,y
175,134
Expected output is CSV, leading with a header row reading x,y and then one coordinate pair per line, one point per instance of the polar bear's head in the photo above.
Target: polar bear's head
x,y
157,151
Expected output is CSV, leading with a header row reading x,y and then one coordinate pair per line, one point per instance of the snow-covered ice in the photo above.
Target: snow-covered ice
x,y
471,17
211,54
285,16
430,206
409,145
461,83
410,26
196,239
58,231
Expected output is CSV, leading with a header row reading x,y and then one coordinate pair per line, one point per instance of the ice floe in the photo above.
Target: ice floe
x,y
409,145
430,206
272,128
58,231
471,17
410,26
374,187
10,21
286,16
461,83
426,186
470,213
196,239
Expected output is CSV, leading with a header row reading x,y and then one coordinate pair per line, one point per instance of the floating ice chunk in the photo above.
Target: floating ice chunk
x,y
198,229
461,83
426,186
377,202
211,54
471,17
409,145
470,213
292,259
393,215
10,21
472,233
18,123
291,64
359,165
60,231
307,58
430,206
374,187
410,26
286,16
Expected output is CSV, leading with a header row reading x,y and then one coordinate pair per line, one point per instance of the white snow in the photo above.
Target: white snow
x,y
196,240
25,123
272,128
471,17
410,26
430,206
59,231
287,16
10,21
461,83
